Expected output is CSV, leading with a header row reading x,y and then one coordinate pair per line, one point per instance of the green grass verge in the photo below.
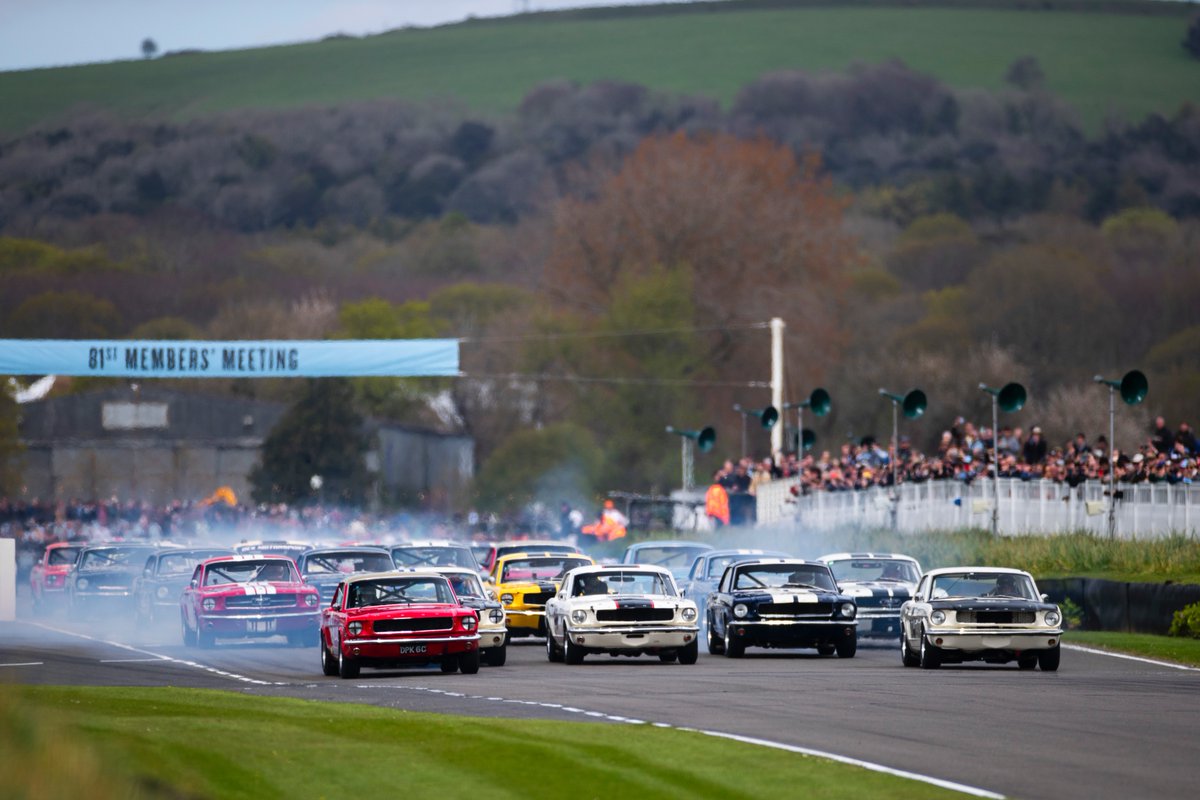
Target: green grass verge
x,y
196,743
1100,62
1167,648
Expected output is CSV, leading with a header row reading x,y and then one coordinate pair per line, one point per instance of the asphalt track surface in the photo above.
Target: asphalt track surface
x,y
1101,727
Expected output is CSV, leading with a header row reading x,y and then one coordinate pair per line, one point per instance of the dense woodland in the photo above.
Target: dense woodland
x,y
909,234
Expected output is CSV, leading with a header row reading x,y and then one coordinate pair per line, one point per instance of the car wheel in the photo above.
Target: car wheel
x,y
205,641
930,657
553,653
690,653
329,664
347,666
715,646
846,648
572,653
733,648
496,656
906,656
1027,660
826,649
189,637
469,662
449,664
668,658
1048,659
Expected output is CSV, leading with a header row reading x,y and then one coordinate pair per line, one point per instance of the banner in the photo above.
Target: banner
x,y
197,359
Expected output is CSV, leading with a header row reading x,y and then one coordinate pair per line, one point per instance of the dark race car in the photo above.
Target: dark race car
x,y
157,590
879,583
102,579
325,568
426,555
781,602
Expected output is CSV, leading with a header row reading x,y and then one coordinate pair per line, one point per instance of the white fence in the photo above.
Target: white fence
x,y
1144,511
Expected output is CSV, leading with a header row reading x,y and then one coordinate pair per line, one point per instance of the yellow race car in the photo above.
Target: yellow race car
x,y
525,581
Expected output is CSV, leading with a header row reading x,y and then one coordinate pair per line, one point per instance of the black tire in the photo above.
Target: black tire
x,y
1048,659
496,656
189,637
826,649
668,658
690,653
469,662
205,641
1027,661
329,664
907,657
715,646
572,653
347,667
449,664
931,657
846,648
553,653
733,648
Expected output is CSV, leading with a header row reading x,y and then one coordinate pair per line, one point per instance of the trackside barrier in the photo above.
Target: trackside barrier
x,y
8,580
1128,607
1144,511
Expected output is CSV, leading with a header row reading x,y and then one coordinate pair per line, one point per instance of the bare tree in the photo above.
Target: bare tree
x,y
149,48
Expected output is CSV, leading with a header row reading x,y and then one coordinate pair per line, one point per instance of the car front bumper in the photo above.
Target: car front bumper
x,y
634,638
394,650
492,637
1021,639
525,620
878,622
260,624
789,633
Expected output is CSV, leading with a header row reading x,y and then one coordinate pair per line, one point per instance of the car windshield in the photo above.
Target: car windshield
x,y
669,556
184,563
225,572
875,569
289,549
539,568
983,584
114,558
482,552
621,582
522,547
346,562
466,584
433,556
717,565
780,576
398,591
63,555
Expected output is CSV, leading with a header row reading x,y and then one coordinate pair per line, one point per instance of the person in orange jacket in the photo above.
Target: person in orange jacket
x,y
611,525
716,502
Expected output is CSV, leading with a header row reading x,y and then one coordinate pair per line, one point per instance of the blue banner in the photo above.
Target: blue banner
x,y
195,359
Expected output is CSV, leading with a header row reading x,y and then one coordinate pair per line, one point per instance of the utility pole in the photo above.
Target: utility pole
x,y
777,327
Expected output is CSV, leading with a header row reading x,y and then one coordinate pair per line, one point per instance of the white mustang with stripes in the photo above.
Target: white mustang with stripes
x,y
629,609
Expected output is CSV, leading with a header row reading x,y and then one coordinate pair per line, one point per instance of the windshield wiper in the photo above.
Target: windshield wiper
x,y
802,585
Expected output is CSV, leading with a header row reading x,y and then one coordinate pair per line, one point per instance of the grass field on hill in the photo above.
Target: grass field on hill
x,y
182,743
1099,62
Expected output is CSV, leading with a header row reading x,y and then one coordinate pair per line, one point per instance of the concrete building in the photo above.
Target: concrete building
x,y
161,444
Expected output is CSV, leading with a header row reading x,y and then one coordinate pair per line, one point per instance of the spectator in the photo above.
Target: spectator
x,y
1034,451
1162,440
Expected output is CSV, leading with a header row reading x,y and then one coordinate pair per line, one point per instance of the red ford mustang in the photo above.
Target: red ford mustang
x,y
48,578
234,597
396,619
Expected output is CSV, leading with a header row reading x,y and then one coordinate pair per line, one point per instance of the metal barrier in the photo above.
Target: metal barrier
x,y
1144,510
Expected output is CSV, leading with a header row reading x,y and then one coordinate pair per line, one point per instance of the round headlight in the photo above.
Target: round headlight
x,y
496,615
208,604
848,609
311,600
579,616
82,583
1053,618
162,593
354,628
937,617
740,610
689,614
506,598
469,622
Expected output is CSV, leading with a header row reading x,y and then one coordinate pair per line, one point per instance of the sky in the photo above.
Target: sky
x,y
45,33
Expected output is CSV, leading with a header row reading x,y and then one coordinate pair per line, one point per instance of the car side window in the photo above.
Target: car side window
x,y
196,576
148,570
337,596
726,579
922,589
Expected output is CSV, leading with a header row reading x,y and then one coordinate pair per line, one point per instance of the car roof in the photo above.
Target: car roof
x,y
534,543
743,551
594,568
766,562
956,570
447,570
352,548
240,557
668,543
371,576
848,556
216,551
539,554
429,543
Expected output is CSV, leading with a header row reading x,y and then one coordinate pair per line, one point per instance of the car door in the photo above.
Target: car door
x,y
556,613
188,601
333,616
910,611
719,602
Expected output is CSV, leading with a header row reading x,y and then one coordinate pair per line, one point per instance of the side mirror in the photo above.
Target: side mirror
x,y
1045,598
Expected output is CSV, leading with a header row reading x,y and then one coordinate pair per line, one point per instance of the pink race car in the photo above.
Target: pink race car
x,y
48,578
236,597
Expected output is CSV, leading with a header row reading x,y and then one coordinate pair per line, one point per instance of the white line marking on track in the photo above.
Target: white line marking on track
x,y
962,788
1127,657
25,664
160,657
129,660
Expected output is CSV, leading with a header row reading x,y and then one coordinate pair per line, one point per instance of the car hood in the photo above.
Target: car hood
x,y
600,601
990,604
255,587
401,610
787,596
526,587
876,589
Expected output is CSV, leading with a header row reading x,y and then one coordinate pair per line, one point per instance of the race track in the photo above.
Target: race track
x,y
1101,727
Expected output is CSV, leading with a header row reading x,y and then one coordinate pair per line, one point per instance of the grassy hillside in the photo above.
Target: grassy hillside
x,y
1100,62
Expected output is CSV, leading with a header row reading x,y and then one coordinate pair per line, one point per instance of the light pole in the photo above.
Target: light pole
x,y
820,404
1010,398
913,405
704,438
1133,388
767,417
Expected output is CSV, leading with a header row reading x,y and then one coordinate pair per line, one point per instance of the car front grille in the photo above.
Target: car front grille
x,y
261,601
635,615
414,624
997,617
536,598
795,609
